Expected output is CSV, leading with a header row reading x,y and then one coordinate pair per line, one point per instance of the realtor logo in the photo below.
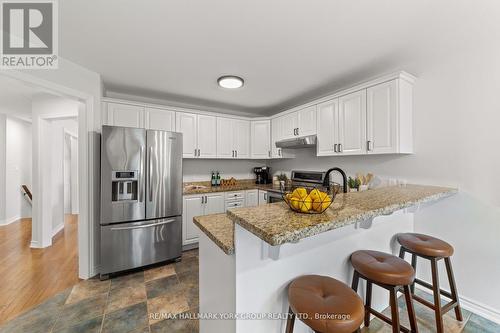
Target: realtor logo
x,y
29,34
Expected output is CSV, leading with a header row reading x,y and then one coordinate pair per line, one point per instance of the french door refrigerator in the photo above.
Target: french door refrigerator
x,y
141,198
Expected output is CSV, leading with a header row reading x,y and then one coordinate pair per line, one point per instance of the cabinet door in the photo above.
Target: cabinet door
x,y
192,207
261,139
262,197
225,144
275,136
125,115
160,119
207,136
214,204
290,122
352,123
382,118
327,125
307,121
241,138
251,198
185,123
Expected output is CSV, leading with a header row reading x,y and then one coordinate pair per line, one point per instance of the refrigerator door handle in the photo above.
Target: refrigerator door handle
x,y
144,226
141,172
150,175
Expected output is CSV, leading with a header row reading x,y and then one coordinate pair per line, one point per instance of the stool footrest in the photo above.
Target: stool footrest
x,y
429,286
386,319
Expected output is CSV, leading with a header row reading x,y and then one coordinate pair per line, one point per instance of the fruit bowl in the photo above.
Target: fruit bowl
x,y
310,200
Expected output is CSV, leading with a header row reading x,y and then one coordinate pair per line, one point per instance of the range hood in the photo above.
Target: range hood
x,y
298,142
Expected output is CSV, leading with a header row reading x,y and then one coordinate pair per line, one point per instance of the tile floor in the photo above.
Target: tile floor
x,y
134,303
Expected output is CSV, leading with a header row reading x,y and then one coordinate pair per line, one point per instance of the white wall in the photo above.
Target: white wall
x,y
18,169
200,170
457,116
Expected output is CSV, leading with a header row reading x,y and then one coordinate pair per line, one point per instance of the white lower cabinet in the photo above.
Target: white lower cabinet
x,y
262,197
198,205
251,198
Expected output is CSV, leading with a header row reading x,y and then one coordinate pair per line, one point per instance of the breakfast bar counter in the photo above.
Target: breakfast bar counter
x,y
273,245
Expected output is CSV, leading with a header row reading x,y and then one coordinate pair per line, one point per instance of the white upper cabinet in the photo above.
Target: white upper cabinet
x,y
307,121
199,134
185,123
352,123
275,137
327,126
389,118
124,115
261,139
225,144
241,138
289,125
207,136
382,118
233,138
159,119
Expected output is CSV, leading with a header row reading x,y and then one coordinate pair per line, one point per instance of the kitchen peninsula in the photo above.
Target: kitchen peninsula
x,y
259,250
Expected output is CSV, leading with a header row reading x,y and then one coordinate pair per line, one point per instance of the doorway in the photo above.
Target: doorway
x,y
39,151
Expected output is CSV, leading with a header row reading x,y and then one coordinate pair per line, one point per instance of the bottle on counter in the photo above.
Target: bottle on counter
x,y
213,181
217,179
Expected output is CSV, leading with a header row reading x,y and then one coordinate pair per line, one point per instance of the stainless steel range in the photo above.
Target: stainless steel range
x,y
141,197
298,179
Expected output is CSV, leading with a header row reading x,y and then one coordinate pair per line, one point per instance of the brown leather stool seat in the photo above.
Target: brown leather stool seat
x,y
340,309
383,268
425,245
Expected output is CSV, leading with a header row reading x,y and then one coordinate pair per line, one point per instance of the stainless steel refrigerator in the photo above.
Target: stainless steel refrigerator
x,y
141,198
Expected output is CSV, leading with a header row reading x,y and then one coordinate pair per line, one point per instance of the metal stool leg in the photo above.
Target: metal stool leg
x,y
368,302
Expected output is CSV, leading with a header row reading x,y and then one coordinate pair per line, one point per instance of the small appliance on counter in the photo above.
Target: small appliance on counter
x,y
141,198
263,175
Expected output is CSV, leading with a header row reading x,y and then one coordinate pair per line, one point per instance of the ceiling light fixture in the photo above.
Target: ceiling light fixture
x,y
230,82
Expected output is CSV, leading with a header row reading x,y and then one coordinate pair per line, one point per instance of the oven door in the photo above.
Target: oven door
x,y
274,197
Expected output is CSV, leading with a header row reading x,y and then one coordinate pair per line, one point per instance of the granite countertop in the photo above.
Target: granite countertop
x,y
241,185
219,228
277,224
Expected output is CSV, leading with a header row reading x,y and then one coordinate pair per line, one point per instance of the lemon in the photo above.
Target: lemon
x,y
299,193
322,202
306,204
314,194
288,197
295,203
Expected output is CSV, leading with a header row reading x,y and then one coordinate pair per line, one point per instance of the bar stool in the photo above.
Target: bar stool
x,y
391,273
325,305
433,249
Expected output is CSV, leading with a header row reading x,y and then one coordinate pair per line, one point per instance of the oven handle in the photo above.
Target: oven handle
x,y
144,226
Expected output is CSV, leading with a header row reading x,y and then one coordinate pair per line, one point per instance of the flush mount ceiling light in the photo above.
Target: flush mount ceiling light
x,y
230,82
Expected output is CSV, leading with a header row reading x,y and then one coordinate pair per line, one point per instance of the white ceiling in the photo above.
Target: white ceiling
x,y
288,51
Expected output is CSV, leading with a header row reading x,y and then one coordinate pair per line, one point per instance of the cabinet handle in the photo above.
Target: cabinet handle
x,y
199,152
297,131
340,148
236,153
279,151
269,153
335,148
368,145
195,152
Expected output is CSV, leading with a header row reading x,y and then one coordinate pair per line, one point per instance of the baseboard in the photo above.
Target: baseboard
x,y
10,220
57,229
480,309
475,307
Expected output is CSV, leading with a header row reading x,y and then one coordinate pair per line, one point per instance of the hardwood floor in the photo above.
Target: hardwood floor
x,y
30,276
